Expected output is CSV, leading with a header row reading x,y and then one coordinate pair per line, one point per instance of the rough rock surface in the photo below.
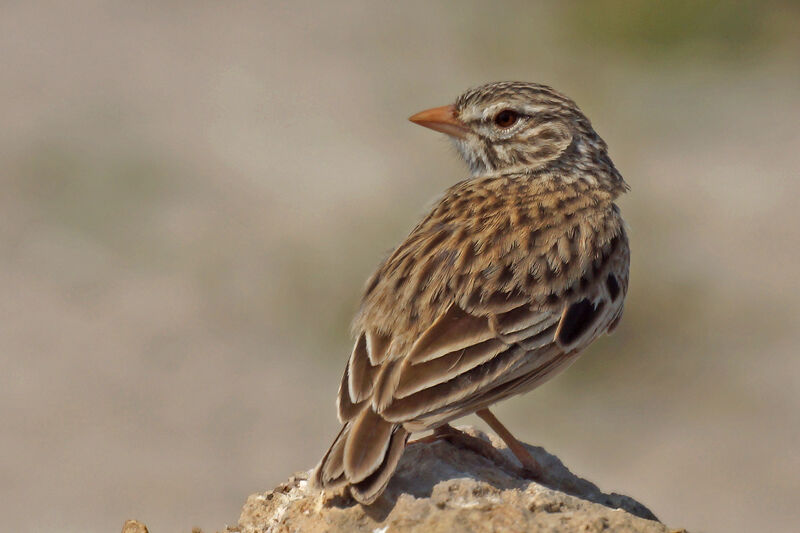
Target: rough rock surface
x,y
439,487
134,526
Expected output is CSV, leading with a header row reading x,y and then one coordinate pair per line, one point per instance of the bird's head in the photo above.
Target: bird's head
x,y
517,127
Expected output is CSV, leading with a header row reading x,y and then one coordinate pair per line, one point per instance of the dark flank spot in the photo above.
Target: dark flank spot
x,y
613,286
578,319
552,298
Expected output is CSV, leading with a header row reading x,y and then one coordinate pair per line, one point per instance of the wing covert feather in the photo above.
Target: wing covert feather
x,y
454,330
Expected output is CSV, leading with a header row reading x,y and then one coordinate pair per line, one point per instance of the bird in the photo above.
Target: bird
x,y
513,272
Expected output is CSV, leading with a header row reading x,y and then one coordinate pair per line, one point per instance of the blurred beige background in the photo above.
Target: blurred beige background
x,y
193,193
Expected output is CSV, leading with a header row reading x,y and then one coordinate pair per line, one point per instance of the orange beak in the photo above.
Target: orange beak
x,y
441,119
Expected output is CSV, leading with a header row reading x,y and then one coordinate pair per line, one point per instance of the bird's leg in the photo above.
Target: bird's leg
x,y
523,456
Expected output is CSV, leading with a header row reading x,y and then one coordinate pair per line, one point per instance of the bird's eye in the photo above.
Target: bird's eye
x,y
506,118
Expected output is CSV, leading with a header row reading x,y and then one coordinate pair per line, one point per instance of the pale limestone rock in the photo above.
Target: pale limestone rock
x,y
442,488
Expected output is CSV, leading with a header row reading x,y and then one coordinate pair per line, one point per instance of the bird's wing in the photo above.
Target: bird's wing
x,y
470,358
447,367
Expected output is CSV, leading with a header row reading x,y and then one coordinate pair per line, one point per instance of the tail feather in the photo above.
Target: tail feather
x,y
329,473
368,490
364,456
366,445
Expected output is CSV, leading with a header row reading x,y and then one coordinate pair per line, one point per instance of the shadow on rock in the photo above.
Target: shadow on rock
x,y
426,465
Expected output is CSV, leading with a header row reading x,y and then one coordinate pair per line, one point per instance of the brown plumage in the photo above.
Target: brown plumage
x,y
514,271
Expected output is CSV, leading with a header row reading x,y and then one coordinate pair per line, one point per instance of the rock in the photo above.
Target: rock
x,y
134,526
439,487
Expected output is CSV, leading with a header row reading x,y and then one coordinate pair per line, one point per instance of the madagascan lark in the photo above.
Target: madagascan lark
x,y
514,271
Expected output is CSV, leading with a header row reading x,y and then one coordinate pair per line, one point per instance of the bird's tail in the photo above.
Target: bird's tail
x,y
363,456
